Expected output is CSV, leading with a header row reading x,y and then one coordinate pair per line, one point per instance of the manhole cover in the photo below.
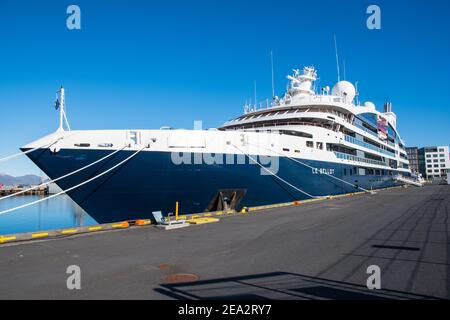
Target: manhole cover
x,y
181,277
164,266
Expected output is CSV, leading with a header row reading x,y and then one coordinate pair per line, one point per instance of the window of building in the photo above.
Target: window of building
x,y
436,170
429,166
428,155
443,165
442,155
442,160
434,155
428,161
441,150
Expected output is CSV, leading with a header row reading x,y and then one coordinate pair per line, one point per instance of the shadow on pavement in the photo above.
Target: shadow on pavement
x,y
278,286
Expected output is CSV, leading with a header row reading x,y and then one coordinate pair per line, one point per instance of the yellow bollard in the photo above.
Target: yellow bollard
x,y
176,211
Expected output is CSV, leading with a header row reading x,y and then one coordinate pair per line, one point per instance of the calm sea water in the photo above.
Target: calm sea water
x,y
59,212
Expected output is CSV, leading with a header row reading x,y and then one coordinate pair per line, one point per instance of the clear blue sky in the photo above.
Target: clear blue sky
x,y
145,64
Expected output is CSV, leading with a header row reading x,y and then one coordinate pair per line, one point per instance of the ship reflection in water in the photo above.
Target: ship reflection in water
x,y
55,213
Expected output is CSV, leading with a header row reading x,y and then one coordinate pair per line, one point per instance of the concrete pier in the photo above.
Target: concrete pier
x,y
10,190
319,250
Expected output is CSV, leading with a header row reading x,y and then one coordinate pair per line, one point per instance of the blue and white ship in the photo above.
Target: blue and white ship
x,y
303,145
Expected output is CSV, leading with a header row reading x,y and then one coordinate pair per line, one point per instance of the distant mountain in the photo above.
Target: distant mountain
x,y
8,180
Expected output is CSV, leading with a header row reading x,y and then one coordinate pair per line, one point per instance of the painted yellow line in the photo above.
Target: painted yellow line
x,y
118,225
207,215
6,239
203,220
95,228
40,235
69,231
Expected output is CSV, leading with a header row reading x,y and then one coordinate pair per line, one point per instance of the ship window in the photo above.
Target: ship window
x,y
310,144
345,172
297,151
296,133
82,145
285,149
319,145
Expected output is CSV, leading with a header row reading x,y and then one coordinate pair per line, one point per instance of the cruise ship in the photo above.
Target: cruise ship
x,y
311,142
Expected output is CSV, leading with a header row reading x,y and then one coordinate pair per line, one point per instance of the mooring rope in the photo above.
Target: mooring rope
x,y
26,152
37,148
273,174
74,187
313,168
62,177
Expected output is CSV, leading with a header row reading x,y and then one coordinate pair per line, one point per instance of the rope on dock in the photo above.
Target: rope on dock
x,y
273,174
74,187
64,176
313,168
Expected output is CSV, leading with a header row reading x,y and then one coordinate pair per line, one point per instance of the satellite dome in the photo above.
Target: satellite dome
x,y
369,105
344,89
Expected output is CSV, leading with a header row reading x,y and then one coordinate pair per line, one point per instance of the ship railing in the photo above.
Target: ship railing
x,y
368,145
350,157
283,124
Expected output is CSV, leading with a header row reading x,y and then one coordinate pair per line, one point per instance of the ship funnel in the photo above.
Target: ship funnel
x,y
390,116
388,107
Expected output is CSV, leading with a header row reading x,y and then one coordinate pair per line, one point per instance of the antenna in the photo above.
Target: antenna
x,y
256,103
62,112
273,81
345,78
337,59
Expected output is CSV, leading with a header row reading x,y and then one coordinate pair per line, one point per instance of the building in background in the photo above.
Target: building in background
x,y
413,158
431,162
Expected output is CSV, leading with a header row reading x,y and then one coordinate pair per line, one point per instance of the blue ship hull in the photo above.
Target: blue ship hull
x,y
152,182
